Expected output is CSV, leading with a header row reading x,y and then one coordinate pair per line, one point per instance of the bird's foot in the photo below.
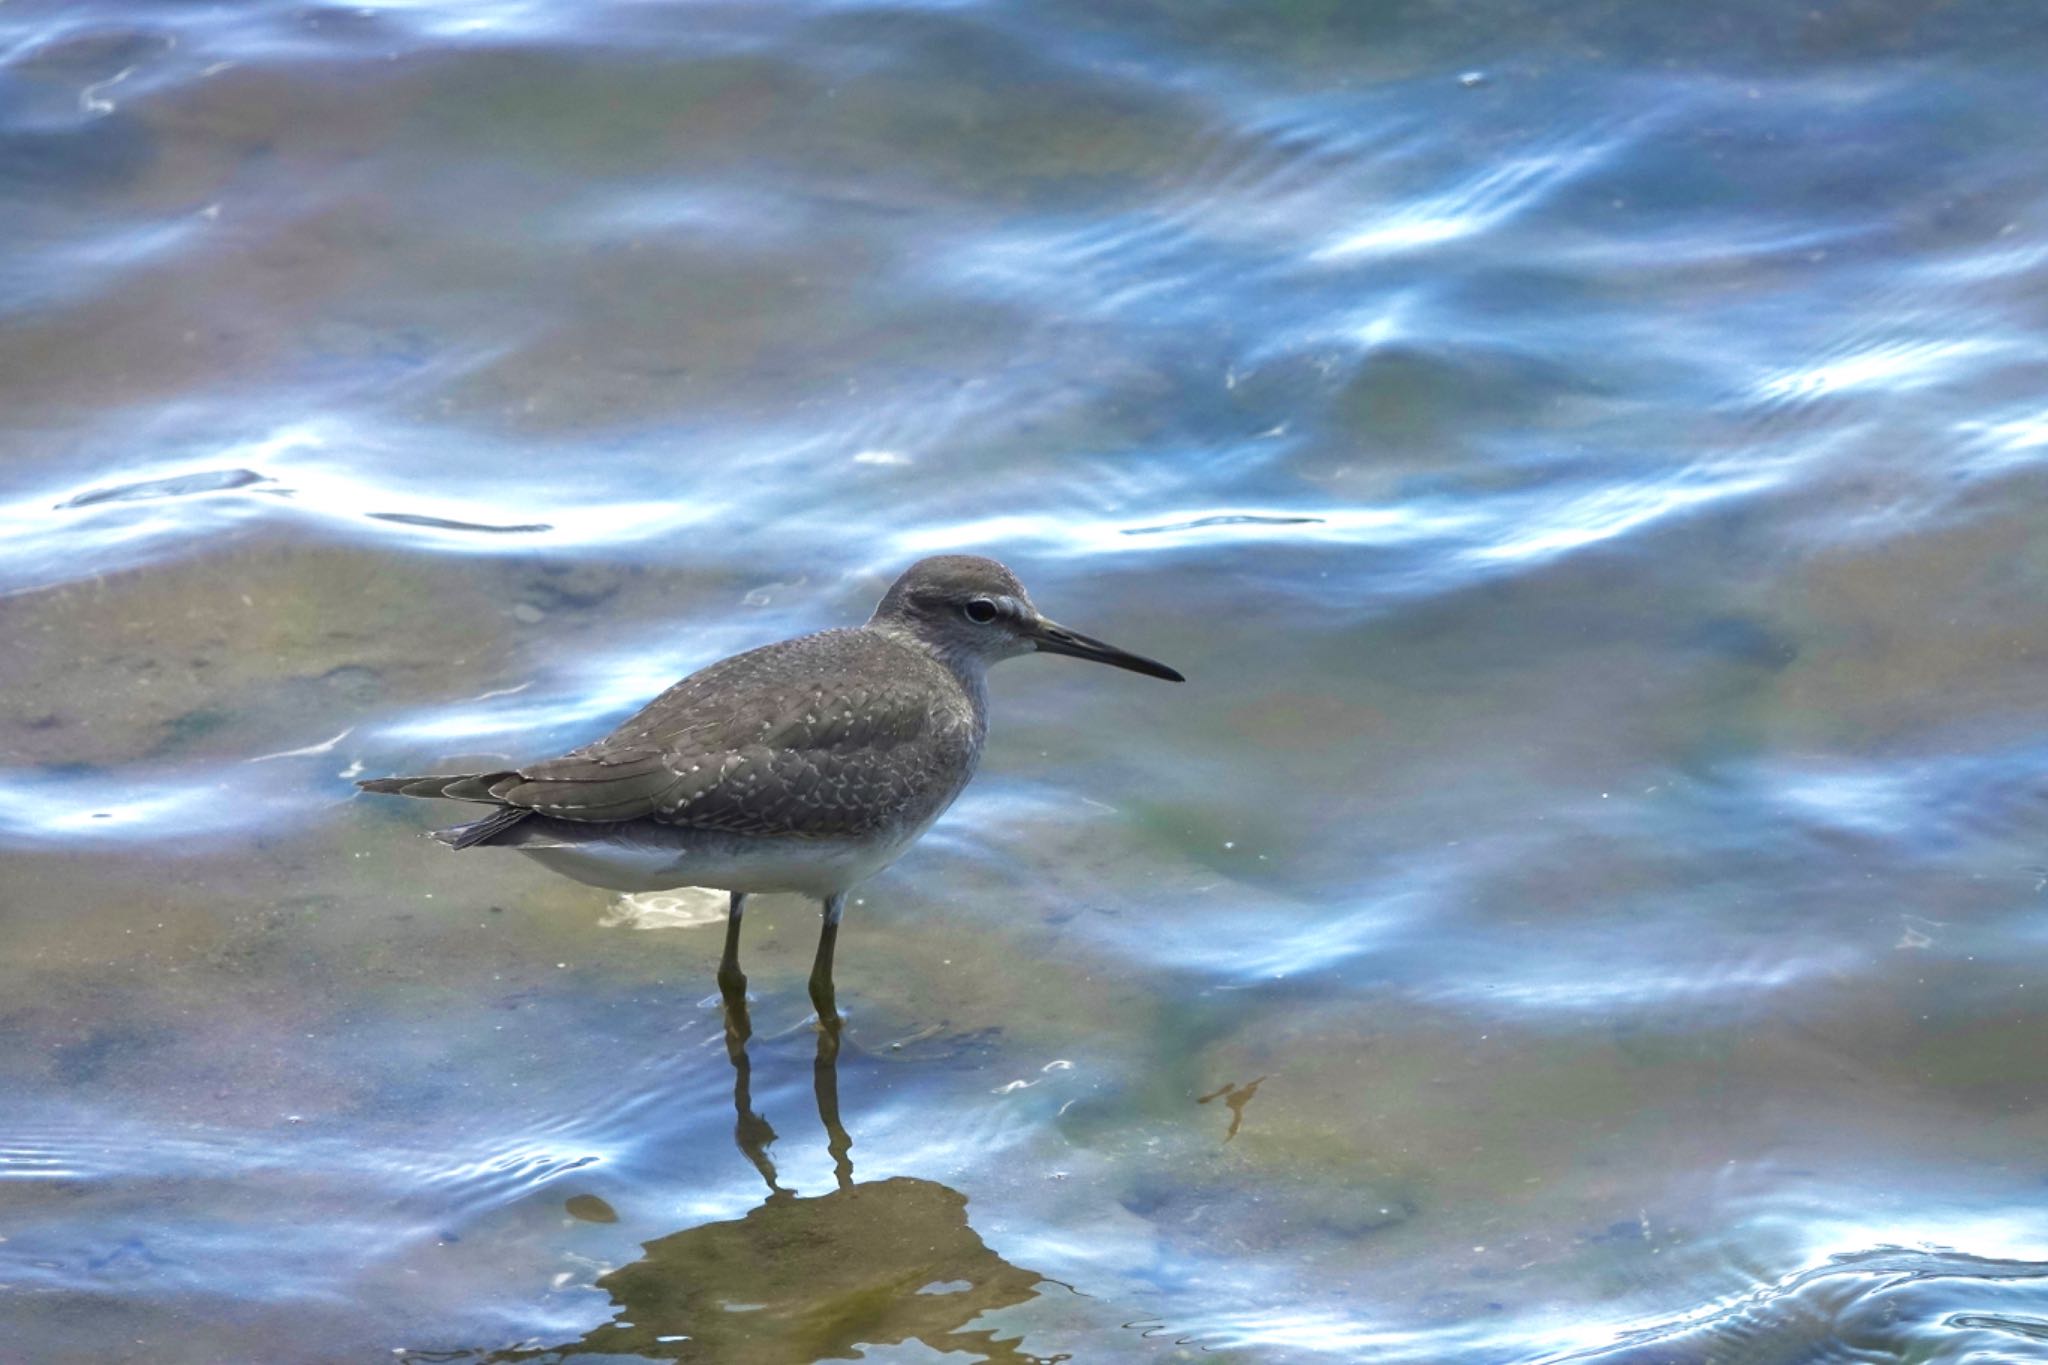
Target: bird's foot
x,y
826,1005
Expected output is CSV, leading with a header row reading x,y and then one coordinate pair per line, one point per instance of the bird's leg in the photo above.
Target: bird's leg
x,y
732,982
825,1085
821,966
739,1025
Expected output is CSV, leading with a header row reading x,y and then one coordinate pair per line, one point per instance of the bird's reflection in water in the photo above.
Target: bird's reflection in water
x,y
801,1278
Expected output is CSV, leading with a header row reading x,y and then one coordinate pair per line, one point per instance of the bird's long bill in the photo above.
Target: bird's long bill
x,y
1057,639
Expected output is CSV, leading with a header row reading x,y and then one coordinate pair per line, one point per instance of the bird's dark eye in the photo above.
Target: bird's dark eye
x,y
981,611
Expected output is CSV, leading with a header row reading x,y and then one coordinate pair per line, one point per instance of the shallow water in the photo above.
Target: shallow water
x,y
1588,458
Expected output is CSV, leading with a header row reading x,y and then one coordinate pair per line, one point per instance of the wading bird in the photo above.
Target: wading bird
x,y
804,766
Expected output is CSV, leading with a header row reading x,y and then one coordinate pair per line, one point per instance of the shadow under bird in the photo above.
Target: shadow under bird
x,y
805,766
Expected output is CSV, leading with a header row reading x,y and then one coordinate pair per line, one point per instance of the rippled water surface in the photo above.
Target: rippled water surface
x,y
1589,902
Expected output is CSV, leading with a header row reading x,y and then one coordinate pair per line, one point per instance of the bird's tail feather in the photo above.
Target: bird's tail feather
x,y
482,831
460,787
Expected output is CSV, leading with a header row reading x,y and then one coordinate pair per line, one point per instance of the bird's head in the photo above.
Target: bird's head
x,y
968,608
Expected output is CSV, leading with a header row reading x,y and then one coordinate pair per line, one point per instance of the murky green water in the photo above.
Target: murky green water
x,y
1587,902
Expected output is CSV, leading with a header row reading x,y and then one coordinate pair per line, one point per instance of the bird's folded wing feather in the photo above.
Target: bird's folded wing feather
x,y
818,758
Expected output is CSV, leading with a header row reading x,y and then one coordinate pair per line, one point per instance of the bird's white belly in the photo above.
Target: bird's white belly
x,y
647,857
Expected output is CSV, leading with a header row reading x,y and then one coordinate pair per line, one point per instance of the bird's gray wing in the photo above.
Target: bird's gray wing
x,y
820,757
